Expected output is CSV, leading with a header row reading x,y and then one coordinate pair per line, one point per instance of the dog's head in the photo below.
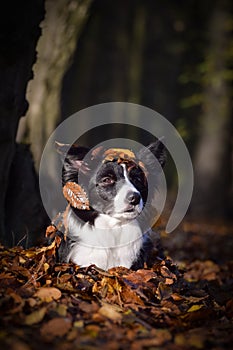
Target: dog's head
x,y
112,182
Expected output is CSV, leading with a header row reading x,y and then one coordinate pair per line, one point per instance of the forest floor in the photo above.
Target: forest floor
x,y
183,302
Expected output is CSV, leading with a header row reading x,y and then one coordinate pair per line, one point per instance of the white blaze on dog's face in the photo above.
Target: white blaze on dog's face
x,y
118,190
128,202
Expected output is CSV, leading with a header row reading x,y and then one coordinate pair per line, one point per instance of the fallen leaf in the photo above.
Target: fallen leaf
x,y
177,297
22,260
35,317
32,302
89,308
110,312
140,276
160,337
61,310
31,253
79,324
57,327
194,308
48,294
164,291
46,267
92,330
190,340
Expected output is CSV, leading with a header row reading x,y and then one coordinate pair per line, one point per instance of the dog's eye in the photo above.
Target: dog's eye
x,y
107,180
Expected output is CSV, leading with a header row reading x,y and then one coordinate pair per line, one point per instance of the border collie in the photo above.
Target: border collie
x,y
107,191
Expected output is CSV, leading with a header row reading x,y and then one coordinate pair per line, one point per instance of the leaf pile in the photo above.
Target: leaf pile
x,y
64,307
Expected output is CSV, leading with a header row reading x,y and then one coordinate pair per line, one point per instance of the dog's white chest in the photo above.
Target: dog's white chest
x,y
106,244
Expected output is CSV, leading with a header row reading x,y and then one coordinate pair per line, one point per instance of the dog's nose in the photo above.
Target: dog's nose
x,y
133,198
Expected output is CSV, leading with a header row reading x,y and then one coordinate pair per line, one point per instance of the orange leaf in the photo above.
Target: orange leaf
x,y
48,294
76,196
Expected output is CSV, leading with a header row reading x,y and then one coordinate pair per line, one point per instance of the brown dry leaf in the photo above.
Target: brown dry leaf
x,y
50,231
97,318
110,311
64,278
130,296
164,291
132,316
198,270
5,275
22,260
170,307
122,153
192,299
89,308
18,303
72,335
169,281
61,310
108,288
177,297
31,302
17,298
141,276
160,337
67,286
35,317
202,313
21,271
165,272
92,330
33,252
57,327
76,196
48,294
191,339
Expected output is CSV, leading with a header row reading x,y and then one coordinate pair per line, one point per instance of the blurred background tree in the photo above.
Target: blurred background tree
x,y
174,57
19,32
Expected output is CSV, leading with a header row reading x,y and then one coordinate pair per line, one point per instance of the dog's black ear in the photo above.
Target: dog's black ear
x,y
71,151
72,157
157,149
62,148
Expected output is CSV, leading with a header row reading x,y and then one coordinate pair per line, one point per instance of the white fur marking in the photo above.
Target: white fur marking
x,y
120,204
116,245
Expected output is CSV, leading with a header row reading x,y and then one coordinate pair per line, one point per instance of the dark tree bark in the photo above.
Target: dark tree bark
x,y
212,163
20,30
25,218
63,23
61,27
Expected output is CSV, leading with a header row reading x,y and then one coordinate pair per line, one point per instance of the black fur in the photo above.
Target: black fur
x,y
101,181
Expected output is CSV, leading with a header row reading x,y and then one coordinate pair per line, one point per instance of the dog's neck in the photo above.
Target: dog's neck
x,y
105,222
107,243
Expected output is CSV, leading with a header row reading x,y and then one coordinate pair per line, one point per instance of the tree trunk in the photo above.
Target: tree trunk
x,y
25,217
19,34
211,164
62,25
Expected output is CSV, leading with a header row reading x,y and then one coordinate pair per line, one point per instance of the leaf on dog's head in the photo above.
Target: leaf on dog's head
x,y
118,153
76,196
96,152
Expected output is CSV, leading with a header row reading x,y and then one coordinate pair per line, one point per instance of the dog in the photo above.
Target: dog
x,y
107,191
